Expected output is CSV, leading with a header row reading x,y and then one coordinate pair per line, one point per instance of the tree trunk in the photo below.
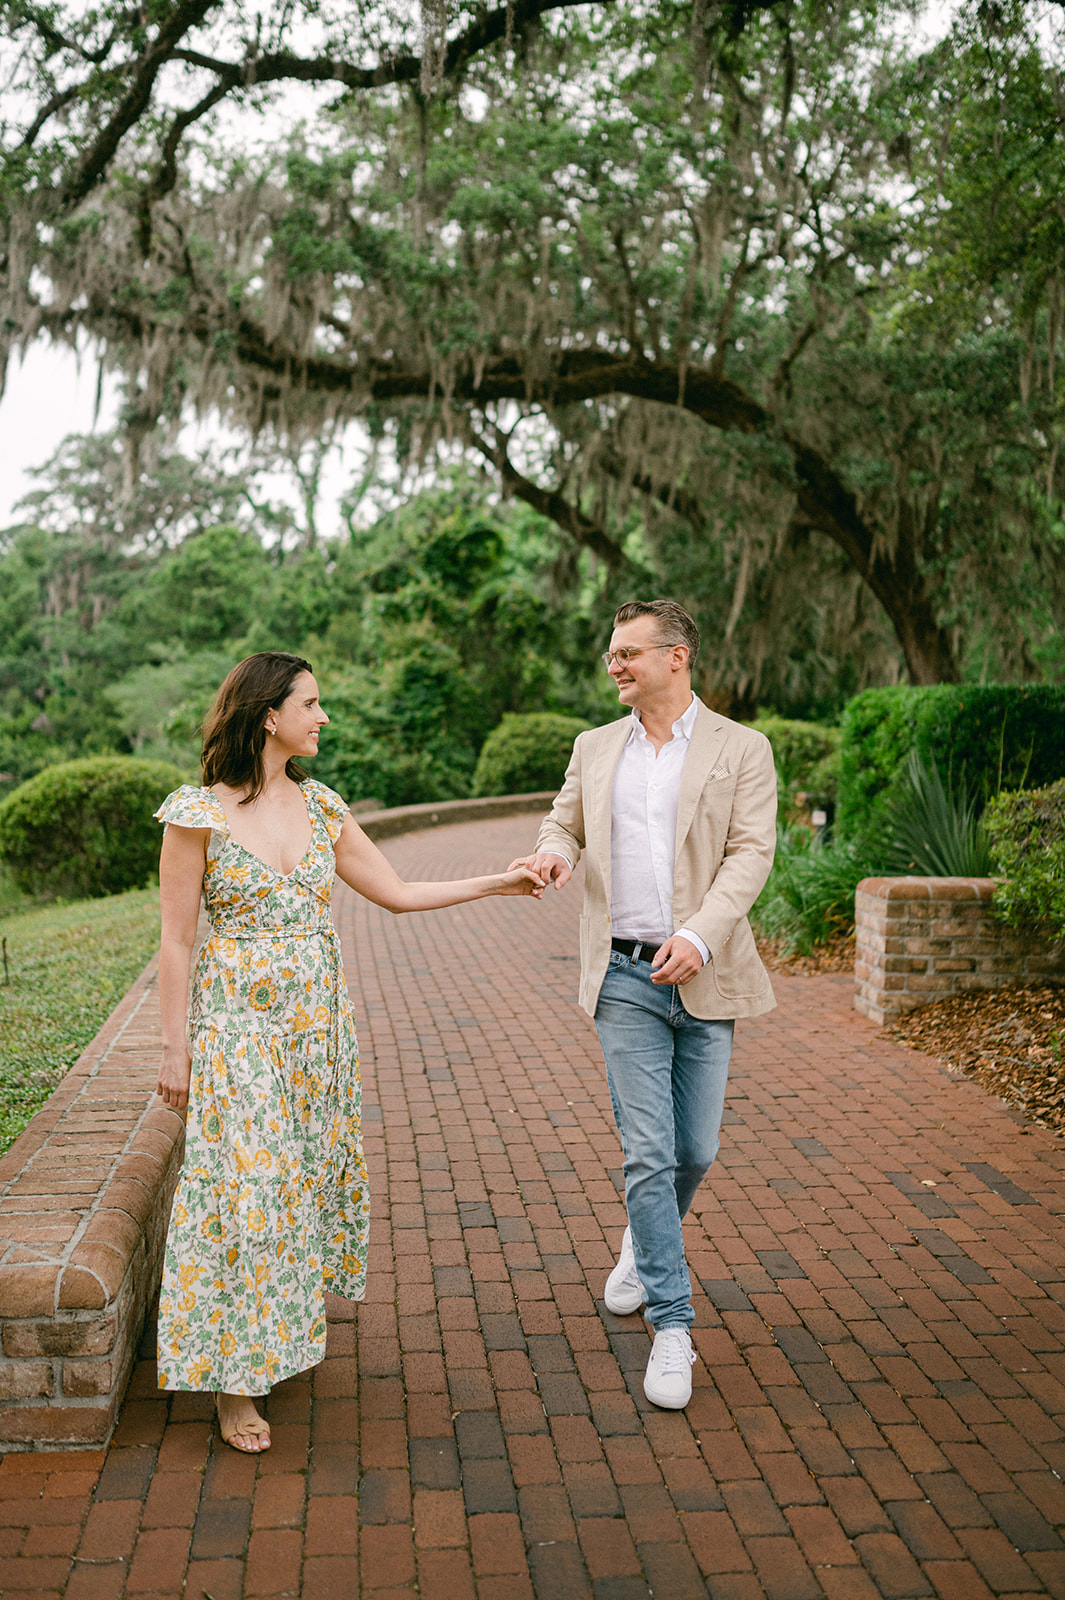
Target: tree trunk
x,y
827,505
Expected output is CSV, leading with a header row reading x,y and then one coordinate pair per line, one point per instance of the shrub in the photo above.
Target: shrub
x,y
25,750
809,897
368,754
988,737
526,753
1027,833
931,827
85,828
806,755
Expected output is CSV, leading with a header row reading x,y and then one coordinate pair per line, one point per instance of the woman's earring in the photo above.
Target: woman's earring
x,y
271,730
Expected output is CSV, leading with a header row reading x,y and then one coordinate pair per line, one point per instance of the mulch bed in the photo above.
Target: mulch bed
x,y
1010,1040
836,956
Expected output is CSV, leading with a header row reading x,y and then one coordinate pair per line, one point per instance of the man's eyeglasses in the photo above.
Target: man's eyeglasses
x,y
628,653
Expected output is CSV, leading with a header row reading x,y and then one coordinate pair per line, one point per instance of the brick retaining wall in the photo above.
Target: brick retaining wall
x,y
85,1195
920,939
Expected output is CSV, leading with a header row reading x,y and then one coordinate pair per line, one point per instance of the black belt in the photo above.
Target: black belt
x,y
642,949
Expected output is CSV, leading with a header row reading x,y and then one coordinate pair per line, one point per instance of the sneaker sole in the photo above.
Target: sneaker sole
x,y
624,1302
622,1308
667,1405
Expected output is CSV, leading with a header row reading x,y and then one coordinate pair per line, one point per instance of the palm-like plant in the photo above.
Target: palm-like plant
x,y
933,828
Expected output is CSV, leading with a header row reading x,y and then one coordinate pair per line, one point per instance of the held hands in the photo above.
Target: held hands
x,y
676,961
548,867
175,1071
521,879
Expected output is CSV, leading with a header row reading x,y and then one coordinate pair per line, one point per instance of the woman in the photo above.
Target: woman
x,y
272,1206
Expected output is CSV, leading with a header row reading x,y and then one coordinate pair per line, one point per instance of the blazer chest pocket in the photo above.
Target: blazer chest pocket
x,y
718,787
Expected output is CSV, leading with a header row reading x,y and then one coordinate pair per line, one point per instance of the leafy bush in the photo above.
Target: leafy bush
x,y
400,737
526,753
809,897
85,828
368,762
931,828
25,749
1027,833
806,755
988,737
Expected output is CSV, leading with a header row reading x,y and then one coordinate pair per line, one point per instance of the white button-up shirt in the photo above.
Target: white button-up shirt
x,y
643,838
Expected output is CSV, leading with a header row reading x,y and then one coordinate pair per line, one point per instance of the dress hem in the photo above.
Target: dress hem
x,y
245,1394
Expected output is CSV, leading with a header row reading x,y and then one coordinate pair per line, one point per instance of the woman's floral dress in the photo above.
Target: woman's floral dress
x,y
272,1207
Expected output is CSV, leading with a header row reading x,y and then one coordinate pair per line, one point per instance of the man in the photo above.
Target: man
x,y
674,808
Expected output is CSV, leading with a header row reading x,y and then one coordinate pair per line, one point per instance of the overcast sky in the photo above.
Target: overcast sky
x,y
53,393
47,397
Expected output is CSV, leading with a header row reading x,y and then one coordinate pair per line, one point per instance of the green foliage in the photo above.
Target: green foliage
x,y
444,625
928,826
150,699
27,743
986,737
932,828
211,588
806,756
1027,833
424,629
399,738
809,897
720,274
69,965
86,828
109,577
526,753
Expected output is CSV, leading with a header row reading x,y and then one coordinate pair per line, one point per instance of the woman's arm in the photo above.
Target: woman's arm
x,y
363,868
182,862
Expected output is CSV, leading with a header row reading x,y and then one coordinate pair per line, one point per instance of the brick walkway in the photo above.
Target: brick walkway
x,y
879,1254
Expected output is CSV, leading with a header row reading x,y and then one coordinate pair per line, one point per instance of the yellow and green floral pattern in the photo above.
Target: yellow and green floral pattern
x,y
272,1207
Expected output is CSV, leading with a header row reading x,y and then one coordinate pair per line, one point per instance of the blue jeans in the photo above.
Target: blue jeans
x,y
667,1073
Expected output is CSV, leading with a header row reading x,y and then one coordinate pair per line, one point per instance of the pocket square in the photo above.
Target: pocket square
x,y
718,772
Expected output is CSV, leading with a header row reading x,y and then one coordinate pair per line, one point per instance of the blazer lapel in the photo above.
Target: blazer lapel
x,y
707,741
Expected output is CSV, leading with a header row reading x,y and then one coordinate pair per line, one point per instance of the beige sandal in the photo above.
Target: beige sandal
x,y
262,1431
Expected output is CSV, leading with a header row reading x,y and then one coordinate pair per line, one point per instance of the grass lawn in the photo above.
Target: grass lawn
x,y
69,965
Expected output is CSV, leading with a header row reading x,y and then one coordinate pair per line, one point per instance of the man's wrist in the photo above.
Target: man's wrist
x,y
694,939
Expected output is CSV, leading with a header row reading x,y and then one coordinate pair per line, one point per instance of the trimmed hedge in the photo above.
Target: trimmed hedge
x,y
806,756
85,828
1027,833
988,737
526,753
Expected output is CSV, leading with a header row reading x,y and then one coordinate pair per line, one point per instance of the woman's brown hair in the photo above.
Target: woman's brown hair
x,y
234,730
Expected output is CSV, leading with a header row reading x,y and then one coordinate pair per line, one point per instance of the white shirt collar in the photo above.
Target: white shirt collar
x,y
682,728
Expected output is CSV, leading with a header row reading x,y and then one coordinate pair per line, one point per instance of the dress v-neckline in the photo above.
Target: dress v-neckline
x,y
284,876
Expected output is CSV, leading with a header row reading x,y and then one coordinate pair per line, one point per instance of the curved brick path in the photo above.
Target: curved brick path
x,y
879,1254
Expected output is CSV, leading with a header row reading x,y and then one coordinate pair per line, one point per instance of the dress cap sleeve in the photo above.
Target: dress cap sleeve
x,y
190,807
332,806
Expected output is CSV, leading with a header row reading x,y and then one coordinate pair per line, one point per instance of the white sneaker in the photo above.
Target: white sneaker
x,y
668,1379
624,1291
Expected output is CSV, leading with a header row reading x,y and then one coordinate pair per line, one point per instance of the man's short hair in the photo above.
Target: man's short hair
x,y
674,625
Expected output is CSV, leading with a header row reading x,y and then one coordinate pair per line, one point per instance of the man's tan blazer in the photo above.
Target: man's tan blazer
x,y
726,835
